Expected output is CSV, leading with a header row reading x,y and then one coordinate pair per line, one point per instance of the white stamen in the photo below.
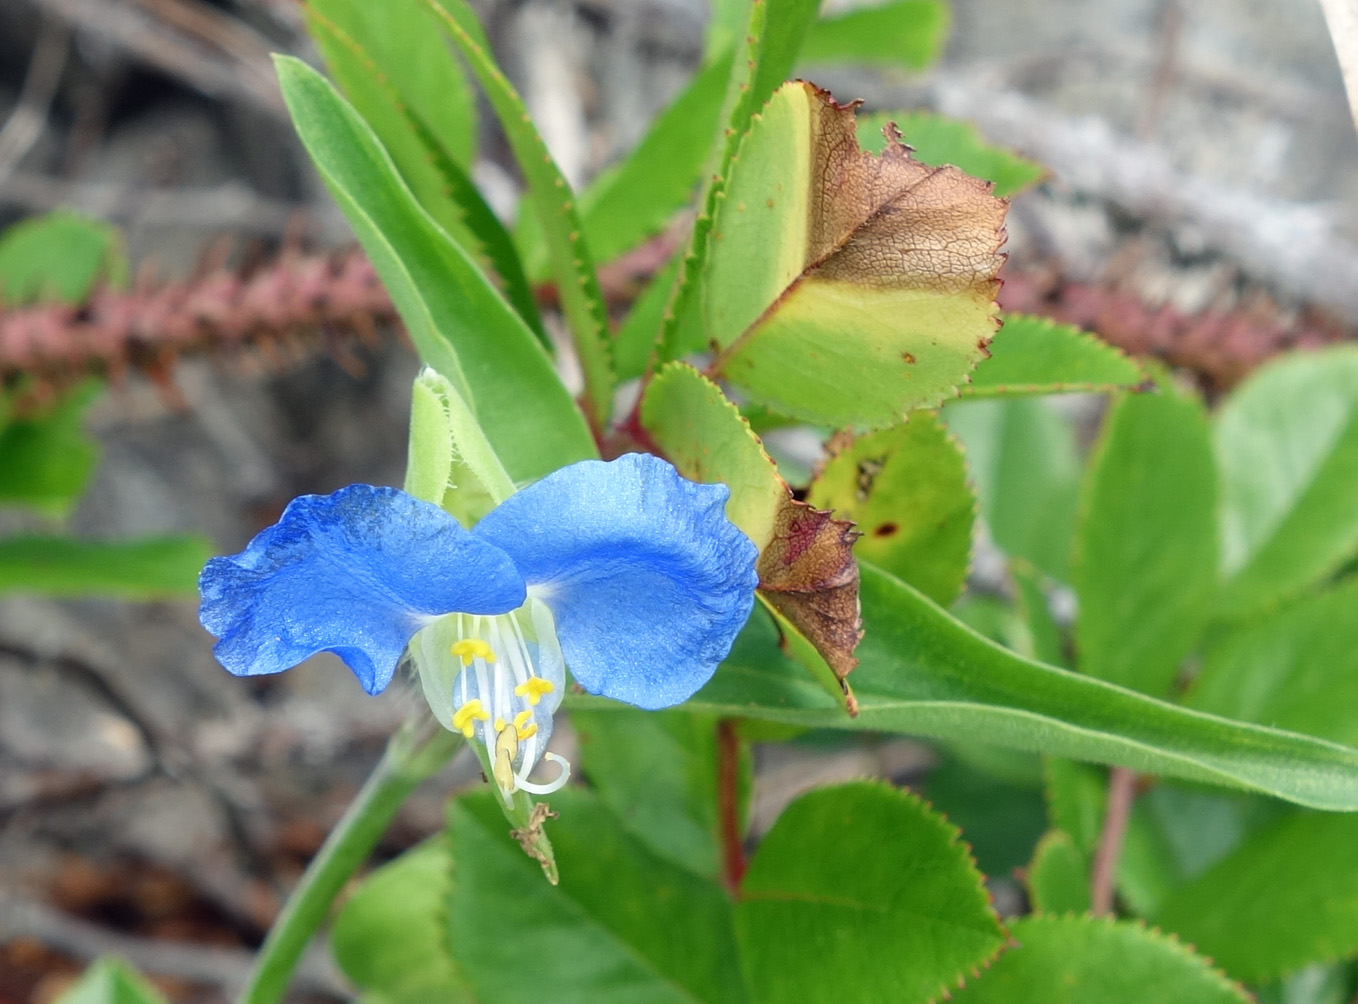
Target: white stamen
x,y
556,784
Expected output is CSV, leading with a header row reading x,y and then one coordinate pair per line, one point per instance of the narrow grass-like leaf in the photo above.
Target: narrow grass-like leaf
x,y
1080,960
552,200
861,893
459,322
434,172
1034,355
906,35
924,673
936,140
148,569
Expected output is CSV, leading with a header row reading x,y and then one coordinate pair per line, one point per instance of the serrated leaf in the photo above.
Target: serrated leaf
x,y
1287,447
936,140
145,569
846,288
1080,960
1295,669
552,200
703,434
772,37
1034,355
860,892
634,340
636,198
1001,818
1145,565
1057,879
906,488
657,772
390,938
47,459
1288,896
109,981
907,35
457,319
1023,458
924,673
623,926
807,573
59,256
430,160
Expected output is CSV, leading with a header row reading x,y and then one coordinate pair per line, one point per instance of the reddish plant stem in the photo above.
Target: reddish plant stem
x,y
1103,878
728,805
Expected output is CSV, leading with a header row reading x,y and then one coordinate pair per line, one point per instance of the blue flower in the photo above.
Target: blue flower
x,y
625,571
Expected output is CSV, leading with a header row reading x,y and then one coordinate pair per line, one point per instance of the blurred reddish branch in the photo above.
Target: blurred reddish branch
x,y
297,303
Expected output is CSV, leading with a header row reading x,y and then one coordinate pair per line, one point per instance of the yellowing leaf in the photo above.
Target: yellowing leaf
x,y
847,287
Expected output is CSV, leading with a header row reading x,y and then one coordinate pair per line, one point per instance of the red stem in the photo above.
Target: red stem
x,y
728,805
1103,881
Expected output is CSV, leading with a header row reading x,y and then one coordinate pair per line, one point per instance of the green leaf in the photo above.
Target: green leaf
x,y
1023,458
46,460
822,304
1287,897
109,981
572,265
412,59
1058,877
1295,669
908,35
1287,448
1033,355
634,341
1083,960
430,164
458,321
704,436
1145,565
657,772
390,937
636,198
860,893
1075,799
937,141
772,36
623,926
906,488
924,673
146,569
59,256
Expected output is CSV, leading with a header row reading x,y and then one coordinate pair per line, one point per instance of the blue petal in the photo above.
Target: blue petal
x,y
647,578
355,573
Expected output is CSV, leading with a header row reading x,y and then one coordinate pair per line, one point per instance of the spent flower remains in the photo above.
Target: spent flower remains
x,y
624,571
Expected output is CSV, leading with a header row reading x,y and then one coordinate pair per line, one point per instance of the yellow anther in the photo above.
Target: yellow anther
x,y
522,727
473,648
534,688
499,725
506,748
465,717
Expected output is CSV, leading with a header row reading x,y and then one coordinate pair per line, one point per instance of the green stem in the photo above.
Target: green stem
x,y
414,753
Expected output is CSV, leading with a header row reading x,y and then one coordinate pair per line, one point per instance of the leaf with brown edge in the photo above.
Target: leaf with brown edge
x,y
808,574
846,287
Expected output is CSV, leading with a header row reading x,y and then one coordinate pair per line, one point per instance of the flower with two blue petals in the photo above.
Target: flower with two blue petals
x,y
624,571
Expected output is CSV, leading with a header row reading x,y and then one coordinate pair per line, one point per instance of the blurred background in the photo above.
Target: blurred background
x,y
1202,205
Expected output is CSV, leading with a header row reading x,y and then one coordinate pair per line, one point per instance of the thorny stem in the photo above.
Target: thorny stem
x,y
418,749
728,805
1121,792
